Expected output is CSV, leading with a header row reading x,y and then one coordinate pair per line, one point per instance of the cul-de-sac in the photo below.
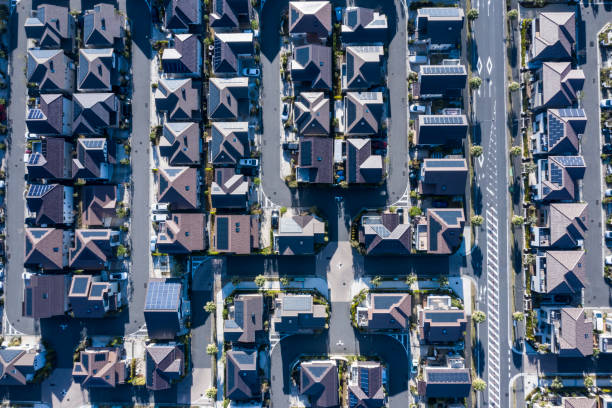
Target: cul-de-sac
x,y
306,203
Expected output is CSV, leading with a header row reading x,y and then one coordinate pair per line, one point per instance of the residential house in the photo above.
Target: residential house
x,y
93,248
19,365
363,68
183,57
445,382
559,273
165,365
181,144
245,319
310,19
52,116
361,165
362,25
104,27
241,375
441,231
435,130
446,177
44,296
440,321
50,159
558,131
437,81
94,113
440,25
92,159
163,309
553,36
51,26
99,204
237,234
46,248
178,99
319,383
229,190
298,235
98,70
228,98
229,50
51,71
50,204
91,298
385,311
366,385
100,367
384,234
298,314
182,15
182,234
561,225
229,14
583,402
556,85
229,143
311,114
557,178
315,160
311,65
179,187
571,333
363,113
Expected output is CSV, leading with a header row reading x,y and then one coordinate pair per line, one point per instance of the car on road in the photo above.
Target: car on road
x,y
418,108
118,276
248,162
606,103
153,243
251,72
285,112
274,219
608,192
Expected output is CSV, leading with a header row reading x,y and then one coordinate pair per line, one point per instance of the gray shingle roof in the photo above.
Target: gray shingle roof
x,y
103,26
567,223
559,181
97,70
91,161
179,187
227,97
47,202
565,272
52,116
228,47
229,143
363,113
384,234
311,111
553,36
363,67
51,70
93,112
179,99
364,26
575,335
361,165
241,377
181,143
51,25
312,64
319,381
184,57
315,160
245,322
181,15
310,17
560,85
51,160
229,13
297,235
165,365
368,391
229,190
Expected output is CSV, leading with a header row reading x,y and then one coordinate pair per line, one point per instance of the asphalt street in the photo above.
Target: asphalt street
x,y
493,350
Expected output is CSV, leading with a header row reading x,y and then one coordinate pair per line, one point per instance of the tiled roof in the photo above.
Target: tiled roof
x,y
229,13
363,111
311,110
560,85
443,177
315,160
165,365
91,161
44,296
103,26
99,367
241,376
47,202
227,97
361,25
554,36
365,388
245,321
384,234
91,250
363,66
361,165
93,112
312,64
52,161
179,99
444,229
97,70
310,17
565,272
567,223
44,248
182,234
182,14
99,203
575,335
184,57
229,143
238,234
559,181
228,47
319,381
181,143
52,116
229,190
51,25
49,69
179,187
389,311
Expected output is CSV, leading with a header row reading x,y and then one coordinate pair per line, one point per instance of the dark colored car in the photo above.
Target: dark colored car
x,y
274,219
379,144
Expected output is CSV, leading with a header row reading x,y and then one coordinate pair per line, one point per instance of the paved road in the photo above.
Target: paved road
x,y
488,61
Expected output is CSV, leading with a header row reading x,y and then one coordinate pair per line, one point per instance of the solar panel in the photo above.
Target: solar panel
x,y
442,120
570,161
162,295
350,65
385,301
299,303
571,113
353,401
441,11
443,70
364,379
219,7
447,376
381,230
306,153
444,163
351,18
97,289
93,143
35,114
222,237
302,55
449,217
39,233
80,284
39,190
94,234
556,130
443,316
34,158
556,174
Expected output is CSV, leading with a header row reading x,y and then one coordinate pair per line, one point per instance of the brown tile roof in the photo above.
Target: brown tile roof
x,y
319,381
363,66
165,365
384,234
45,249
181,143
17,365
47,202
50,159
560,85
565,272
245,320
227,98
182,234
311,111
230,190
50,70
579,402
94,112
389,311
45,296
179,187
92,249
363,113
310,17
567,223
361,165
575,335
238,234
99,204
229,143
91,298
312,64
103,26
179,99
367,390
315,162
444,229
99,367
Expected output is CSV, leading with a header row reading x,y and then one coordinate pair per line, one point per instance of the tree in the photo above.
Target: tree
x,y
514,86
517,220
476,151
411,279
414,211
212,349
518,316
284,281
121,250
477,220
260,280
588,381
472,14
479,316
556,384
283,210
210,307
443,281
211,393
530,259
530,167
479,384
513,14
376,281
475,82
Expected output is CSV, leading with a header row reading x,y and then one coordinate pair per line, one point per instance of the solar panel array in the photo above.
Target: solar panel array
x,y
447,376
93,143
162,296
444,163
556,174
384,302
34,158
556,130
443,70
441,11
364,379
35,114
97,289
39,190
94,234
298,303
442,120
571,113
79,285
444,316
570,161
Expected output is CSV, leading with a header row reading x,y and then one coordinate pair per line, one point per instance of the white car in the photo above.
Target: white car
x,y
609,192
153,243
118,276
606,103
609,260
160,207
608,235
285,112
417,108
252,72
248,162
415,366
598,320
160,217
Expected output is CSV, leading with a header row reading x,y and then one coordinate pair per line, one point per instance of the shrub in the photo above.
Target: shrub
x,y
518,316
479,316
212,349
475,82
479,384
376,281
283,210
472,14
517,220
513,14
210,307
556,384
588,381
284,281
476,151
414,211
211,393
477,220
260,280
514,86
516,151
411,279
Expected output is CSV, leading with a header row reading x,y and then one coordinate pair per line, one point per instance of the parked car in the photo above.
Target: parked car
x,y
252,72
598,320
608,235
285,112
160,217
379,144
274,219
153,243
608,192
606,148
609,260
606,103
248,162
160,207
414,368
291,146
417,108
118,276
